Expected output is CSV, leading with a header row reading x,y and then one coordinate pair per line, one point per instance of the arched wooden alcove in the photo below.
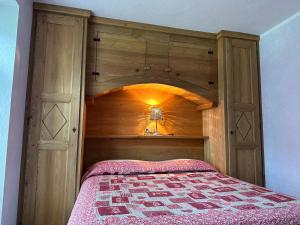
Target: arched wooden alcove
x,y
116,120
207,94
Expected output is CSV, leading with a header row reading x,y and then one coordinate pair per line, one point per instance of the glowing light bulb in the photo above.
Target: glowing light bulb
x,y
152,102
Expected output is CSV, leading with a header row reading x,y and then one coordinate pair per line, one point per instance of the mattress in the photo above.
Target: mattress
x,y
175,192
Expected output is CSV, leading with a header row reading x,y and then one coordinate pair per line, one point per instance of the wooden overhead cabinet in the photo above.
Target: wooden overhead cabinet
x,y
54,117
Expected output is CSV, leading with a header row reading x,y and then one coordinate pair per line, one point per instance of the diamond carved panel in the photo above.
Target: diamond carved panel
x,y
243,125
54,121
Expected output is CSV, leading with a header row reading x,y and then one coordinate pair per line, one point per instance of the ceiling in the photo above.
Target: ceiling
x,y
250,16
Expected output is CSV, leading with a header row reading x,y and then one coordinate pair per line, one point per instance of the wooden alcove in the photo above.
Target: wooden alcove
x,y
116,120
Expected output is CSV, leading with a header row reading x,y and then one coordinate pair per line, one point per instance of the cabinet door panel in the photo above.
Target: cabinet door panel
x,y
50,179
157,58
245,151
118,54
192,63
246,168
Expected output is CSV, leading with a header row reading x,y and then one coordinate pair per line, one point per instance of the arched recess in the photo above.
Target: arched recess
x,y
98,88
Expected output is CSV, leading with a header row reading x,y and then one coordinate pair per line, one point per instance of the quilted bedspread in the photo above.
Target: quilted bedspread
x,y
195,197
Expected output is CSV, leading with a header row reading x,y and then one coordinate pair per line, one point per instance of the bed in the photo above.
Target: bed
x,y
178,191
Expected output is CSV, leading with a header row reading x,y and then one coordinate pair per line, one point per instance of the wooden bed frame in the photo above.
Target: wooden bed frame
x,y
150,148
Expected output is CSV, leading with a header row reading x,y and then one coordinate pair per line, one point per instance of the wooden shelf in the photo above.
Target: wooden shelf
x,y
148,137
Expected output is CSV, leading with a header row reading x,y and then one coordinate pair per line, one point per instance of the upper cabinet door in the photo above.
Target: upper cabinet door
x,y
50,181
156,63
194,60
244,130
115,53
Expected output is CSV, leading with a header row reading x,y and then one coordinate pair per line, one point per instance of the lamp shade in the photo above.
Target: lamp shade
x,y
155,114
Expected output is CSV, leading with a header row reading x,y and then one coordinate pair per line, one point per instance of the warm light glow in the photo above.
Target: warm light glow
x,y
154,94
152,102
160,127
172,107
151,96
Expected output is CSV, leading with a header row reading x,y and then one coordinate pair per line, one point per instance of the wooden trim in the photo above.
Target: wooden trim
x,y
61,9
105,87
66,98
147,137
261,116
150,27
82,103
238,35
205,106
52,145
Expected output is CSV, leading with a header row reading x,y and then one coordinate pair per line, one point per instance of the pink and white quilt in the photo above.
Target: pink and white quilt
x,y
175,192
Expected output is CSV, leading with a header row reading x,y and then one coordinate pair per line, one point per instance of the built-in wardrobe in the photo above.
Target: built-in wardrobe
x,y
66,70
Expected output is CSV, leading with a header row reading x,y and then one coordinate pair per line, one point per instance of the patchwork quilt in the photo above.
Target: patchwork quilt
x,y
137,192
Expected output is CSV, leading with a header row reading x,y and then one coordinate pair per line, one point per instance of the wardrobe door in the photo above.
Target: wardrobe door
x,y
50,180
244,138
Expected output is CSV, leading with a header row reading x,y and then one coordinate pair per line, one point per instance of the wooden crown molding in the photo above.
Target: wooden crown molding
x,y
238,35
61,9
150,27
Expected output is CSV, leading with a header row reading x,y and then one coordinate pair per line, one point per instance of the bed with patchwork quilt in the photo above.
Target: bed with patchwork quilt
x,y
175,192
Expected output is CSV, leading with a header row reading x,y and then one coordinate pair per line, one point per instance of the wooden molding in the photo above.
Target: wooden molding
x,y
205,106
61,98
231,34
52,145
147,137
61,9
150,27
97,88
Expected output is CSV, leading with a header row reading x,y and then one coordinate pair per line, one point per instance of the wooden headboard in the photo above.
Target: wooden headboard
x,y
150,148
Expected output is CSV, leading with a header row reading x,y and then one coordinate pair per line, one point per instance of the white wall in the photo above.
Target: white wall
x,y
280,75
8,34
15,138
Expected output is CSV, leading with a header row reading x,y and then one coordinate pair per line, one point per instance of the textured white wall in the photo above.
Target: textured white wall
x,y
15,138
280,75
8,34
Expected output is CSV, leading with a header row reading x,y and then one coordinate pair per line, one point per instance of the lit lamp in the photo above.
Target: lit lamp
x,y
155,114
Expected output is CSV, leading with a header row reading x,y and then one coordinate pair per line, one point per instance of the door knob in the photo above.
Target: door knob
x,y
74,129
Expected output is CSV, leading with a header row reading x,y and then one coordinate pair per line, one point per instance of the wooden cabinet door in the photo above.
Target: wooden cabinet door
x,y
51,155
119,53
194,60
156,63
245,150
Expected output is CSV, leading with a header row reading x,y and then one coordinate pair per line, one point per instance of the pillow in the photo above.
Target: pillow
x,y
141,167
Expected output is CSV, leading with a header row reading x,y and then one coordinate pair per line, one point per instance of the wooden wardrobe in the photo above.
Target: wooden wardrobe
x,y
53,150
58,56
239,106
